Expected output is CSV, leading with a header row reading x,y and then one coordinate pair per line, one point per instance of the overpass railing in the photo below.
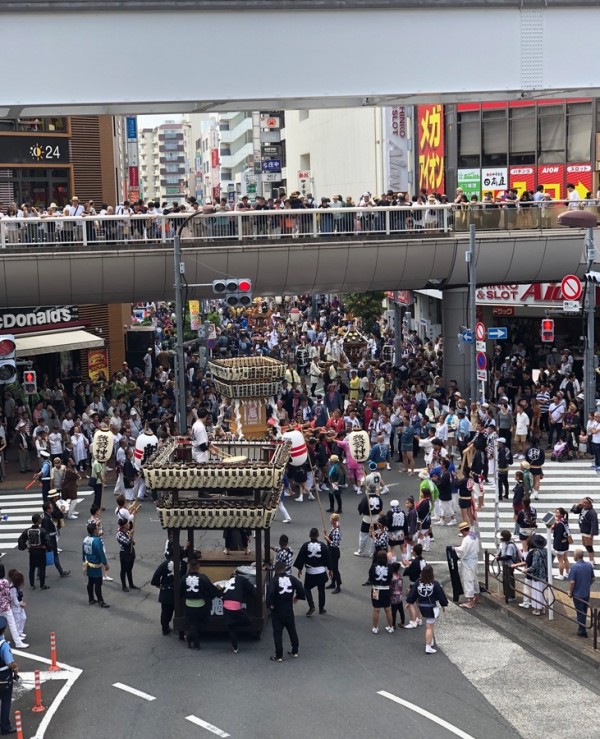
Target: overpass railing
x,y
420,221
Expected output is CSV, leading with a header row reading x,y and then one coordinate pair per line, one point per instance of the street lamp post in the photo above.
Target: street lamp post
x,y
586,219
178,271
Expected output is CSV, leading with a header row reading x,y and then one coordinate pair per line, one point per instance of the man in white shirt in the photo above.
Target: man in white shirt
x,y
521,431
573,196
55,440
556,413
201,446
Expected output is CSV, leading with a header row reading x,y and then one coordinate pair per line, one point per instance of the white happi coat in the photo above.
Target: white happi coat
x,y
468,556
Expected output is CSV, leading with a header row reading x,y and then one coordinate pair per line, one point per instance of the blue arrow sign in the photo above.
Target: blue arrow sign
x,y
497,333
467,336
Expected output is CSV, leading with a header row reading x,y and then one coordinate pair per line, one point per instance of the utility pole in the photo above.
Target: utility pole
x,y
397,330
471,258
178,271
589,363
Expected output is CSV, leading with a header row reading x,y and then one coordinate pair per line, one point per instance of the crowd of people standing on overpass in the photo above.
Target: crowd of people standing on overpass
x,y
279,215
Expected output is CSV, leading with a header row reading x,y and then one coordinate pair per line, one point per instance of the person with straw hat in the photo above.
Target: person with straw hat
x,y
468,556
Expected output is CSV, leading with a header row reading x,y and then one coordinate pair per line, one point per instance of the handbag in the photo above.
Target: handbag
x,y
569,538
436,611
49,559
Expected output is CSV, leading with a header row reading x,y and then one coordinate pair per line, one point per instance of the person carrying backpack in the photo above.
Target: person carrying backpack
x,y
508,553
37,541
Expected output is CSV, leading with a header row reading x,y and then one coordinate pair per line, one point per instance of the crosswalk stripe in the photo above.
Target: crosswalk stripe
x,y
19,508
564,483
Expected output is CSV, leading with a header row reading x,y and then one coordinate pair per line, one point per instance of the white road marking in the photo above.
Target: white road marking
x,y
72,673
207,726
421,711
134,691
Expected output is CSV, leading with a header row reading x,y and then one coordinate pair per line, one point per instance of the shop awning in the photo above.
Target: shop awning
x,y
61,341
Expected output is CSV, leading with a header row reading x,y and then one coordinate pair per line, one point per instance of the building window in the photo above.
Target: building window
x,y
522,135
579,132
34,125
469,139
305,162
551,134
494,138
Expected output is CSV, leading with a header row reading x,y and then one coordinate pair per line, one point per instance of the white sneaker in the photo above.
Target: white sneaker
x,y
299,500
411,625
59,550
72,517
358,554
429,649
524,604
535,496
419,622
389,629
388,466
436,520
451,522
385,490
287,520
559,577
311,497
22,645
107,578
375,630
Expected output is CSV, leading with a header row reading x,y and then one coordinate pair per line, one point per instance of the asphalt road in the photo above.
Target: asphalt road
x,y
332,690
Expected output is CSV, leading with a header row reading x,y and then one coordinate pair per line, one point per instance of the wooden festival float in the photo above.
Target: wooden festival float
x,y
238,489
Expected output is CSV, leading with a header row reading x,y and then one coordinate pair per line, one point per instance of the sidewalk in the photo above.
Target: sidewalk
x,y
561,631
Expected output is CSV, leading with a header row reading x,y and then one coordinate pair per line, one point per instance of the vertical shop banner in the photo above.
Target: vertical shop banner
x,y
430,132
98,364
552,177
396,147
522,178
469,180
494,180
214,158
195,319
581,176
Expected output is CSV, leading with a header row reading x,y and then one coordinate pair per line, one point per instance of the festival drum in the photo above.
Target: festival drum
x,y
299,453
145,438
359,445
103,443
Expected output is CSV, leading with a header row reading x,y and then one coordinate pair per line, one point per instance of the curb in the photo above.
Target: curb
x,y
563,641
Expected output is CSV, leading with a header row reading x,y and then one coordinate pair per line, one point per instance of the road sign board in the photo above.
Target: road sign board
x,y
571,306
480,332
211,343
571,287
497,333
480,346
482,375
467,336
481,361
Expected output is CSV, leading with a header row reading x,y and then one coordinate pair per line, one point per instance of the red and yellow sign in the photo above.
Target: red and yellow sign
x,y
431,148
522,178
98,364
552,177
581,176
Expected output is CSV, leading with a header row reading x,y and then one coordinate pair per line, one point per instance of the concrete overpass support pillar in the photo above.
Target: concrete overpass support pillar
x,y
454,315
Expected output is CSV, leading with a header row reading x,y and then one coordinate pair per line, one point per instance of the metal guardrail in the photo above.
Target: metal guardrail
x,y
242,226
511,586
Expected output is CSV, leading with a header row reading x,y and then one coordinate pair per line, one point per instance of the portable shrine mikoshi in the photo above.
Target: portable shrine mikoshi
x,y
220,494
355,345
250,383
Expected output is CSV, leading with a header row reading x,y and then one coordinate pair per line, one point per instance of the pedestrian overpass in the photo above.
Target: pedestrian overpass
x,y
230,55
100,273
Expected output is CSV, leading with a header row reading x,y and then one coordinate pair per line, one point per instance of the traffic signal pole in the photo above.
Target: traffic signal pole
x,y
471,258
178,270
589,364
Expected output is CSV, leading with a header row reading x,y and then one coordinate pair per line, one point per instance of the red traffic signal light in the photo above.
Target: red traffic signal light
x,y
30,382
8,365
547,330
235,293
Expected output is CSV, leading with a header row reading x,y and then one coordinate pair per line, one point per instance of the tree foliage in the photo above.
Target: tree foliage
x,y
367,307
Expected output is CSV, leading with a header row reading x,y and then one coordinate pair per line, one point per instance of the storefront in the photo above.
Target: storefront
x,y
521,308
521,144
69,342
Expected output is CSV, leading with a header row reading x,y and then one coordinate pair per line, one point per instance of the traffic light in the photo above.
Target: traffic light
x,y
548,330
236,293
8,364
30,382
